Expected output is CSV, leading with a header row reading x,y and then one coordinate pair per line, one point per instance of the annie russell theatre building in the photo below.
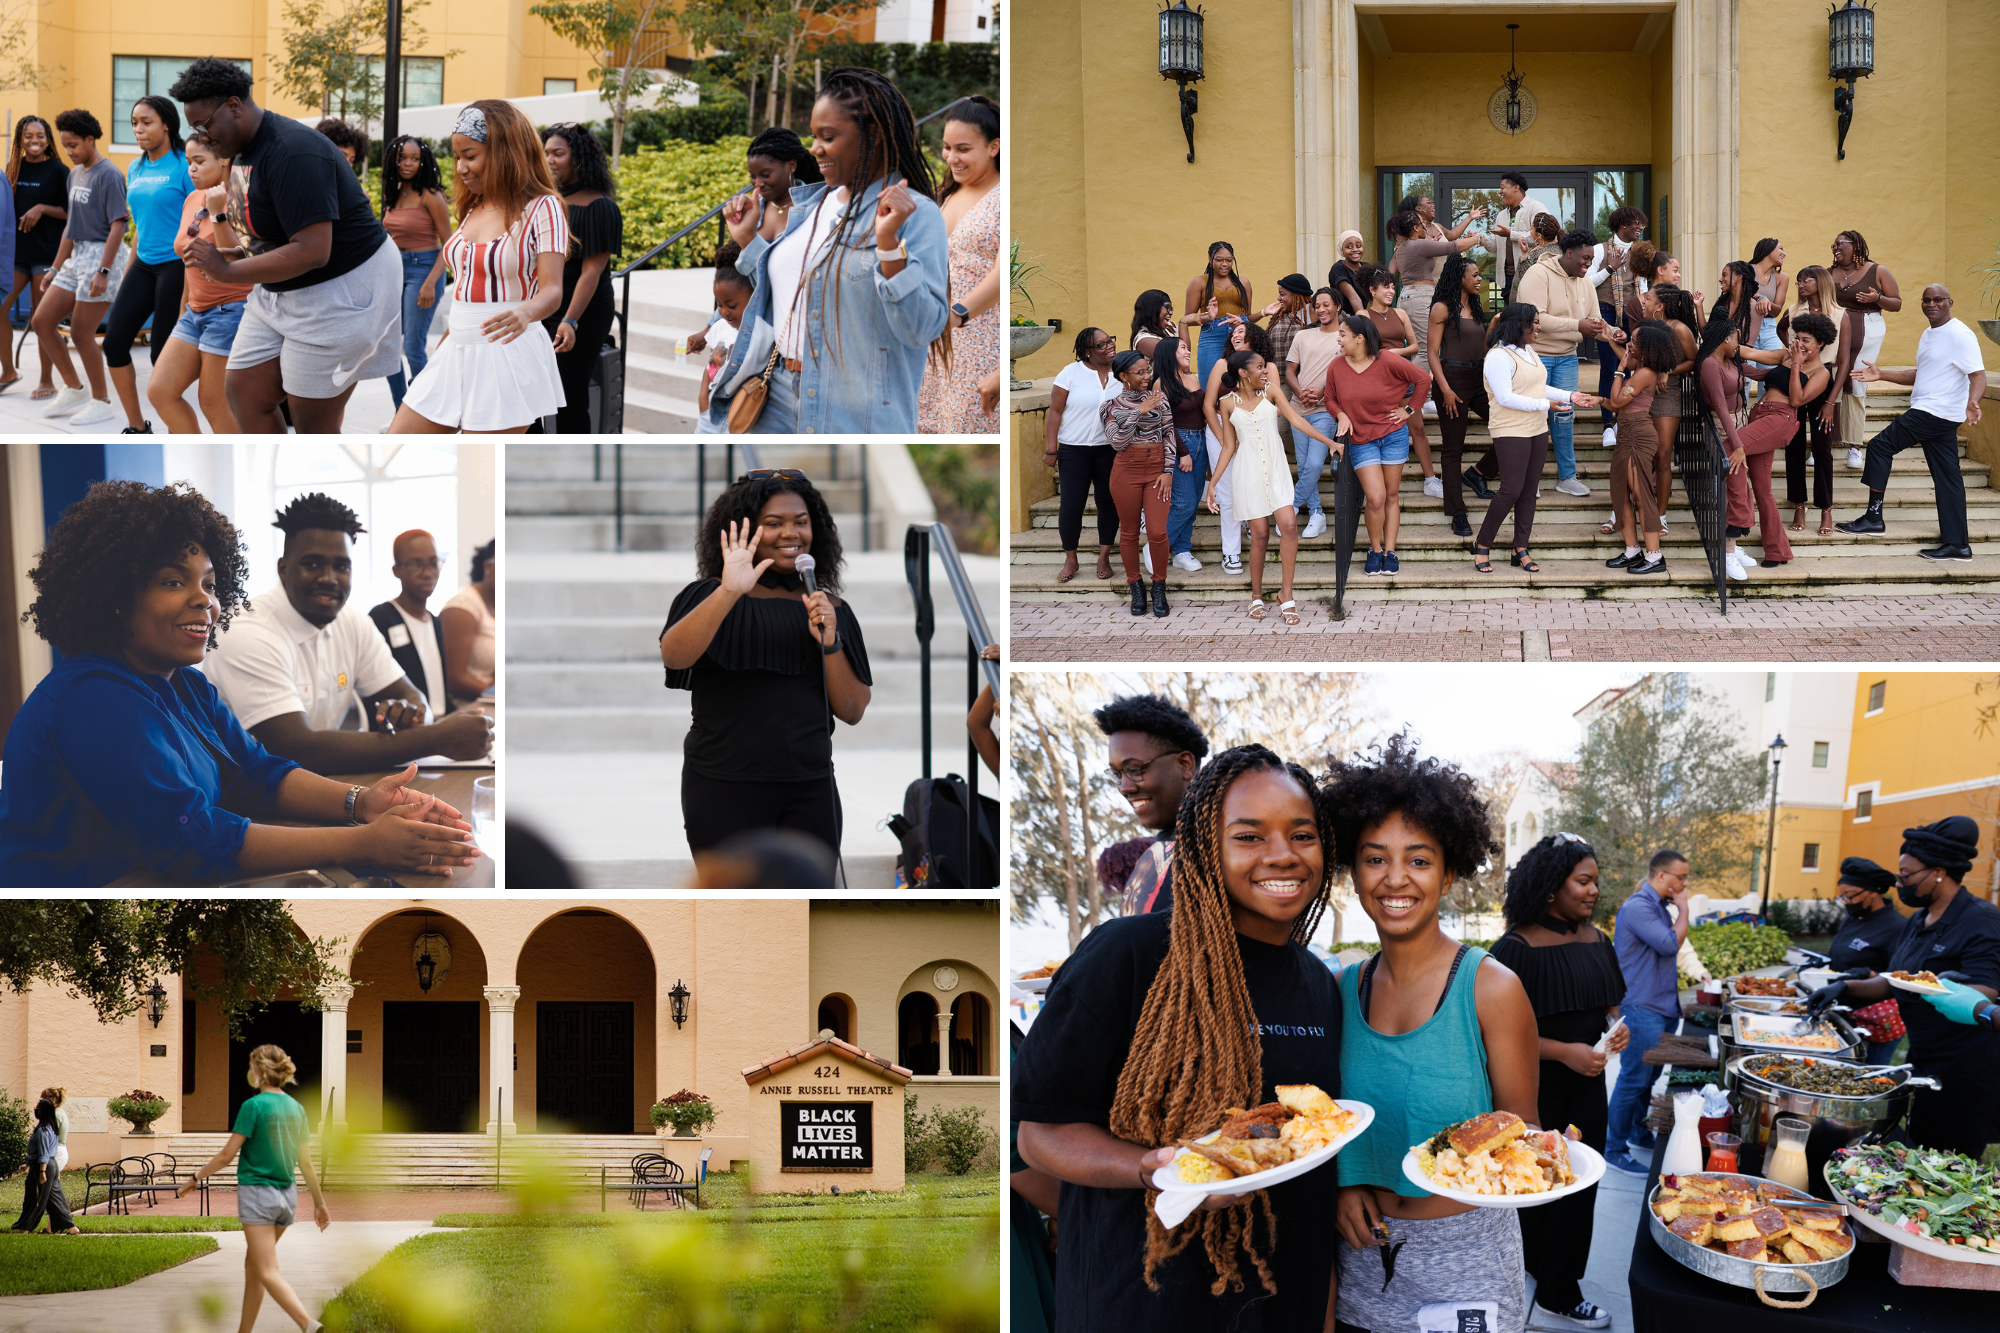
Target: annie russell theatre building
x,y
552,1028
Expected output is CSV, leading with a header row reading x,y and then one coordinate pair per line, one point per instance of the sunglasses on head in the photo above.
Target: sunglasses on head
x,y
766,473
1570,837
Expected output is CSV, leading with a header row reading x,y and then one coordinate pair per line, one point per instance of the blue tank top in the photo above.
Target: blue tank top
x,y
1418,1082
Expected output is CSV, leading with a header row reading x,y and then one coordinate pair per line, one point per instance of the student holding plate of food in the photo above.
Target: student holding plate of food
x,y
1164,1027
1435,1035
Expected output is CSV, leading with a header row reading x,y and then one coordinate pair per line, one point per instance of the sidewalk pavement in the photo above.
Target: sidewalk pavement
x,y
317,1265
407,1205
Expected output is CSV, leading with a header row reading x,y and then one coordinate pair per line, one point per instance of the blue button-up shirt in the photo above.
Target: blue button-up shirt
x,y
865,348
110,770
1647,948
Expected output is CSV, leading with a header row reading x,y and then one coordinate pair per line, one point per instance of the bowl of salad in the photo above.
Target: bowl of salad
x,y
1940,1203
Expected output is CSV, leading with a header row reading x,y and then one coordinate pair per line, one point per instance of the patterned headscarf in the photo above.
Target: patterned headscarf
x,y
471,123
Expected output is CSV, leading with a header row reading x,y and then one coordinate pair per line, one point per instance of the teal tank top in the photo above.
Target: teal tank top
x,y
1418,1082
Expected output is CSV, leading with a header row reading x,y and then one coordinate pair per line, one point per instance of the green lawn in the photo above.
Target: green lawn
x,y
861,1261
139,1224
10,1193
31,1265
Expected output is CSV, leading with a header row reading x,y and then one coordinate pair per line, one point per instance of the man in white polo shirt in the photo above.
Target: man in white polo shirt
x,y
298,663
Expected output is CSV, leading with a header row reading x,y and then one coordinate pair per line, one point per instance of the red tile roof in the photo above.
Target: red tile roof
x,y
799,1055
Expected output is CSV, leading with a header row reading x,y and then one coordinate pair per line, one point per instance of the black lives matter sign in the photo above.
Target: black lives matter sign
x,y
826,1136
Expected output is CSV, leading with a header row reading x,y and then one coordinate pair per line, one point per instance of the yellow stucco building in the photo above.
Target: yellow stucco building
x,y
1925,745
1716,116
559,1019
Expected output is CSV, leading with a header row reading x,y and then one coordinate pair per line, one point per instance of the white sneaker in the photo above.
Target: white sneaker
x,y
1146,559
1572,486
1315,526
1611,436
1434,487
1430,409
95,411
1855,458
1663,526
1232,564
66,401
1185,560
1737,572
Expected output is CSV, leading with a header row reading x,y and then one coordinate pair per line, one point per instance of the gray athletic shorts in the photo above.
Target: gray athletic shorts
x,y
267,1205
330,336
1467,1259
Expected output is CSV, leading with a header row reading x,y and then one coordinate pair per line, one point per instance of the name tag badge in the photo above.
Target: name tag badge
x,y
399,636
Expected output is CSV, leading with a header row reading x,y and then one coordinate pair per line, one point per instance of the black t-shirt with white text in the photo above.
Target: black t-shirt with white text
x,y
290,177
1066,1072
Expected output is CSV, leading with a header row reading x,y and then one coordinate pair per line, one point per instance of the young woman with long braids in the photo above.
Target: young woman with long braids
x,y
1173,372
1767,265
1432,1032
1569,970
579,326
1260,483
852,300
1217,296
39,180
1645,363
963,398
495,371
777,160
197,351
1139,426
1375,397
1399,338
1815,437
415,214
1157,1025
1457,341
155,184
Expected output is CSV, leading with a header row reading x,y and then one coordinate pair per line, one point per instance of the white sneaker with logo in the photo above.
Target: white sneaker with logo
x,y
96,410
1316,526
66,401
1186,561
1434,487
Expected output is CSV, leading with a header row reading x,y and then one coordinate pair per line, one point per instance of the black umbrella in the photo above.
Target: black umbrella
x,y
1346,517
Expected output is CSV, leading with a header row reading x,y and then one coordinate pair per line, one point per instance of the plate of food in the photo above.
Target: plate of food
x,y
1800,1034
1707,1219
1923,983
1265,1145
1939,1203
1495,1161
1037,981
1764,986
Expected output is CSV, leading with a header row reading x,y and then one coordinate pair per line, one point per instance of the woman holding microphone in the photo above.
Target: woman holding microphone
x,y
771,656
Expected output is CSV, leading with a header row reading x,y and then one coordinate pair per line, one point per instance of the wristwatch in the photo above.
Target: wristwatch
x,y
104,271
828,650
884,256
964,315
353,795
1984,1013
567,320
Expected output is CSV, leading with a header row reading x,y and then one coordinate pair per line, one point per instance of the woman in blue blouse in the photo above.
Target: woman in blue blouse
x,y
124,761
155,184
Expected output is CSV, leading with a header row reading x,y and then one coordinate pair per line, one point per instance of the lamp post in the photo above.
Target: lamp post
x,y
1771,830
1181,59
156,996
678,998
1850,55
392,91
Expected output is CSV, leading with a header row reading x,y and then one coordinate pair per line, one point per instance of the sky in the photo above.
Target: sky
x,y
1461,713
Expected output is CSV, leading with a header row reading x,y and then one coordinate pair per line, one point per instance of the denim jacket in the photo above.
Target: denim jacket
x,y
866,377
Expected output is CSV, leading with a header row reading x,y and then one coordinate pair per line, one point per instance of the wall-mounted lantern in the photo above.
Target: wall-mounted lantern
x,y
1180,59
1850,55
678,998
156,1007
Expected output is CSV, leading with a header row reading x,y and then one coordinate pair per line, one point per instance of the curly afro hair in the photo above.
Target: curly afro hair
x,y
1537,876
109,544
316,511
79,122
746,499
1439,798
1156,717
211,79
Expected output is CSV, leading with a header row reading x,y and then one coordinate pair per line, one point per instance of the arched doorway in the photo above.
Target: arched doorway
x,y
836,1015
917,1033
419,1005
971,1040
585,1026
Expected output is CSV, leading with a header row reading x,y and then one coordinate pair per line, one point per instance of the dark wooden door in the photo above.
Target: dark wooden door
x,y
583,1066
281,1023
430,1065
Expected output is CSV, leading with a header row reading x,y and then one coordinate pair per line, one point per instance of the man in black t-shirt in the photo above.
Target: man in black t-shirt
x,y
1156,749
326,311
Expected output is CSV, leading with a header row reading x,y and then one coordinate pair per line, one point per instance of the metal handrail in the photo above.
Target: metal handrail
x,y
918,544
624,275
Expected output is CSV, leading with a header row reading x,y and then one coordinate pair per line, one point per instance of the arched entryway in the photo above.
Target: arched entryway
x,y
214,1060
947,1006
585,1031
836,1015
917,1032
417,1027
971,1035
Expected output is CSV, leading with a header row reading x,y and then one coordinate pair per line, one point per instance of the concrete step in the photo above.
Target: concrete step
x,y
642,684
633,639
650,499
538,533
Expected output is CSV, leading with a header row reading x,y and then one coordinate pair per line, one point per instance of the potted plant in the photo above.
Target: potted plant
x,y
1990,289
688,1112
140,1107
1025,336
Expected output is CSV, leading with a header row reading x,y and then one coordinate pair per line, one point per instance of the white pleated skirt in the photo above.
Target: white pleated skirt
x,y
474,384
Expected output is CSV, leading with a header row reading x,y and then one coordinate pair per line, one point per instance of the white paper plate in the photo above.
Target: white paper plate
x,y
1033,985
1897,1236
1900,984
1167,1179
1585,1160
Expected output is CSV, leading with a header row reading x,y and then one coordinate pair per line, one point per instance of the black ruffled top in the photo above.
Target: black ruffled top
x,y
1570,986
595,228
760,706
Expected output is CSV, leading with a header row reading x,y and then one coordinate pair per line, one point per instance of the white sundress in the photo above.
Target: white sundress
x,y
1260,480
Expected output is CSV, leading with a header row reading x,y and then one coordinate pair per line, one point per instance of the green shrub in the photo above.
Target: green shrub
x,y
1732,947
959,1136
964,482
1806,916
662,189
14,1122
917,1148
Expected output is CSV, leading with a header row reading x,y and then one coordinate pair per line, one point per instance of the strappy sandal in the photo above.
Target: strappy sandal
x,y
1257,609
1826,522
1523,563
1608,527
1289,612
1481,566
1798,523
42,392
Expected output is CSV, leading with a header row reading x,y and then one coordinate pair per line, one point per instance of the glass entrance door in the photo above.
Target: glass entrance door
x,y
1565,194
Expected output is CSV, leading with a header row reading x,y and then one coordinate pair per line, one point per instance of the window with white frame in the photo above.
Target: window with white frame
x,y
557,87
1811,859
1877,694
1864,805
134,77
423,79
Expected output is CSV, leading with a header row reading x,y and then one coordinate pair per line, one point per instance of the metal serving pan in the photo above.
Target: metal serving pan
x,y
1851,1049
1744,1272
1729,991
1836,1121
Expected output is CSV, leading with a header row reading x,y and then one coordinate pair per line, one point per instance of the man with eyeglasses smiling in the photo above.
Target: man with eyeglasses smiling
x,y
1652,926
1155,750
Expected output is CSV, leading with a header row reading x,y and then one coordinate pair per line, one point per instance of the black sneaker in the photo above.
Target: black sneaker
x,y
146,429
1657,564
1868,525
1461,526
1946,553
1581,1315
1475,481
1621,560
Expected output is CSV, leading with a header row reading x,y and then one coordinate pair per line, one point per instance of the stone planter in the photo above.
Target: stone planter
x,y
141,1131
1024,340
1991,328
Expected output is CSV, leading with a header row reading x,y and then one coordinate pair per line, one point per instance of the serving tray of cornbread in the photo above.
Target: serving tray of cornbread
x,y
1750,1232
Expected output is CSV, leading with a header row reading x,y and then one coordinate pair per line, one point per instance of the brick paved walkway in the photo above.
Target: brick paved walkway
x,y
1953,628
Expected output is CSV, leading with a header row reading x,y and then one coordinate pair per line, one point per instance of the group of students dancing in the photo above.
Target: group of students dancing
x,y
1190,414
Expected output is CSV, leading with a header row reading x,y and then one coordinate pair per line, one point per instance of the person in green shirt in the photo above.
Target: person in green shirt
x,y
271,1134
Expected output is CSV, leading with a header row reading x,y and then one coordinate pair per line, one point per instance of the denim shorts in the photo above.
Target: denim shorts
x,y
1393,448
212,330
267,1205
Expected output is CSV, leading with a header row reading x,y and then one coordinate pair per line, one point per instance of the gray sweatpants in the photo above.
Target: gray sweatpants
x,y
1469,1257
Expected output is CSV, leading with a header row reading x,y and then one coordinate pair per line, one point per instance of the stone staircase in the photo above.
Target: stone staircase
x,y
445,1161
1436,564
595,735
660,387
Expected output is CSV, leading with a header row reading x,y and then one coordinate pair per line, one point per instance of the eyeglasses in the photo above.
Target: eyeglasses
x,y
1135,771
766,473
1103,344
201,126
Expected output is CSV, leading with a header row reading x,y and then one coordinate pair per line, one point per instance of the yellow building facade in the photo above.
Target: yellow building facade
x,y
1924,749
1716,115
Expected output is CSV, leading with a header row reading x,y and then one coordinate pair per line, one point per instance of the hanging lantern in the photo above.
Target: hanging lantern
x,y
1181,59
1850,56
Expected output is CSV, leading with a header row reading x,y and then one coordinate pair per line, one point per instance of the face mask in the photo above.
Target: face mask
x,y
1910,896
1857,911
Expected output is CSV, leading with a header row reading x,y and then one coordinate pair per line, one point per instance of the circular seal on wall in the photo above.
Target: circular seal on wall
x,y
945,978
1496,109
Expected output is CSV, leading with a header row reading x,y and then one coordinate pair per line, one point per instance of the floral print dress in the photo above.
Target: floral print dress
x,y
949,404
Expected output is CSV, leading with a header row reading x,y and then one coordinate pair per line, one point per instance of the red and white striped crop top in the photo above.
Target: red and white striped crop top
x,y
503,269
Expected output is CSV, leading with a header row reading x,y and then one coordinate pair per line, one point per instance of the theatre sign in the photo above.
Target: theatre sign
x,y
823,1115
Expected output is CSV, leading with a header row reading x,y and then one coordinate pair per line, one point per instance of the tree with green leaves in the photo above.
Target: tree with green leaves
x,y
621,36
18,69
334,51
109,951
1666,767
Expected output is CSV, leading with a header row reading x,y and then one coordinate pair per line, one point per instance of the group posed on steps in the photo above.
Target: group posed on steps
x,y
1194,412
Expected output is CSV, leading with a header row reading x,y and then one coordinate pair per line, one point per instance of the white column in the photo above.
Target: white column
x,y
334,999
500,1002
1343,78
944,1042
1313,101
1704,190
